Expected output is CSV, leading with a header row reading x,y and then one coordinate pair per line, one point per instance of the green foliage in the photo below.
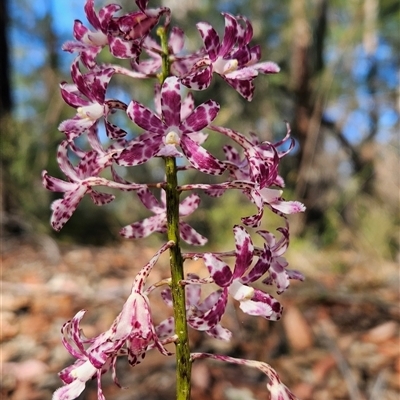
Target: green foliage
x,y
29,144
21,159
376,228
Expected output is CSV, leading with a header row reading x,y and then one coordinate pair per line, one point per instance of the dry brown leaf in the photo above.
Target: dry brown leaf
x,y
297,329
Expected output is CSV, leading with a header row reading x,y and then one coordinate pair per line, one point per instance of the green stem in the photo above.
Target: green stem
x,y
184,365
165,61
178,291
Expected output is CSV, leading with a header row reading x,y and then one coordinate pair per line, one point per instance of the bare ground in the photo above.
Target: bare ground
x,y
338,338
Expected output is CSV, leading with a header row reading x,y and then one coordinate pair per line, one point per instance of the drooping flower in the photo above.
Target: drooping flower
x,y
132,333
169,130
233,59
259,166
242,168
81,180
158,222
252,301
261,161
278,390
87,94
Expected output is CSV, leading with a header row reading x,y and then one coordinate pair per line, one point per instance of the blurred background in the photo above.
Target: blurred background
x,y
339,90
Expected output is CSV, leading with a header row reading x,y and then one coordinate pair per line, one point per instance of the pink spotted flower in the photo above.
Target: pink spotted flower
x,y
233,59
277,271
252,301
81,180
132,334
261,161
271,265
259,166
89,43
158,222
87,94
203,315
123,34
165,132
127,32
272,198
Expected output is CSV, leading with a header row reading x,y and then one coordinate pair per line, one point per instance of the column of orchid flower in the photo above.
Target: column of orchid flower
x,y
176,123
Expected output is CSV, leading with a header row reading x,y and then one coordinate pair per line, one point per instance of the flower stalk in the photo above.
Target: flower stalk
x,y
183,363
183,371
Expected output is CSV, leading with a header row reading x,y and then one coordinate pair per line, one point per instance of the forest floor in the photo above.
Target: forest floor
x,y
338,338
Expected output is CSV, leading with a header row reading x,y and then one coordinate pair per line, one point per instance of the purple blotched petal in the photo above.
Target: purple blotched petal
x,y
198,79
139,152
210,39
145,118
219,271
171,102
262,304
191,236
200,158
200,118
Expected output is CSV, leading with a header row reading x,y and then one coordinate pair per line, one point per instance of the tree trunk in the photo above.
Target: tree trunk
x,y
5,86
5,105
306,66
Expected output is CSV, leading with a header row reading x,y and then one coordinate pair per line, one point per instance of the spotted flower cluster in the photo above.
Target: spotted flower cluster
x,y
173,129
